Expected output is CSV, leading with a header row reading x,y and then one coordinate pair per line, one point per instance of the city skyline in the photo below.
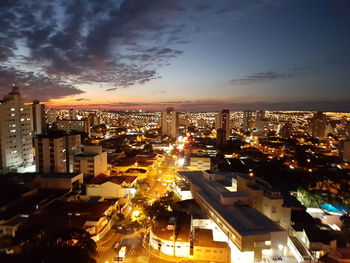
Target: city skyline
x,y
193,55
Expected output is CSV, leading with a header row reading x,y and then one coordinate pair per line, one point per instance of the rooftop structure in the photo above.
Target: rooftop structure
x,y
250,232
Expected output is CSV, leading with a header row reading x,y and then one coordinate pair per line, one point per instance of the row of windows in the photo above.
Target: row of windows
x,y
209,250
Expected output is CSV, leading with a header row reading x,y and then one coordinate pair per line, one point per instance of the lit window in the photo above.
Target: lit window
x,y
13,109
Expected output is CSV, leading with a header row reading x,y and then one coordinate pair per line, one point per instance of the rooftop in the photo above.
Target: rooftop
x,y
101,179
204,238
243,219
182,224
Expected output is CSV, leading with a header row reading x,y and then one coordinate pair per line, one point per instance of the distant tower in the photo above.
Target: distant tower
x,y
38,117
222,125
170,122
318,125
262,123
15,132
72,114
286,130
247,121
344,150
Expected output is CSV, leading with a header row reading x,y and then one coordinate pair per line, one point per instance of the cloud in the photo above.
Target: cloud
x,y
81,99
218,105
122,43
36,86
270,76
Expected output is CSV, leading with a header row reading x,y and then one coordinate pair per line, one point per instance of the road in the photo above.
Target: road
x,y
160,179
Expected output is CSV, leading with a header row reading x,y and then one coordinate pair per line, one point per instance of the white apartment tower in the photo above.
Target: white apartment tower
x,y
247,120
170,122
15,132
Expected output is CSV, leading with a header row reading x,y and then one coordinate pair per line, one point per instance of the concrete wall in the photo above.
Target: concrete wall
x,y
107,189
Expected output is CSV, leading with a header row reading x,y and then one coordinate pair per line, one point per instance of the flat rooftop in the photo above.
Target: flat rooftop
x,y
244,220
182,223
60,175
204,238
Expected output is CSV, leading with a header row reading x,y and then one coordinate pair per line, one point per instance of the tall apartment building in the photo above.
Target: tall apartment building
x,y
344,150
247,124
38,117
15,132
222,123
54,152
287,130
82,125
92,162
170,122
262,123
318,125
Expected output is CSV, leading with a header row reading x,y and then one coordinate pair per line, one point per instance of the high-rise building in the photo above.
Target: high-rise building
x,y
38,117
344,150
15,132
247,124
262,123
287,130
318,125
54,152
170,122
222,125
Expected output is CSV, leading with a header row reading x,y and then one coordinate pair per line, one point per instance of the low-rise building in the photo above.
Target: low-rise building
x,y
200,163
68,181
206,249
111,186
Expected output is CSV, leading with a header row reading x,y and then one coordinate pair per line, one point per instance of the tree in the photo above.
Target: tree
x,y
143,185
160,206
53,241
139,200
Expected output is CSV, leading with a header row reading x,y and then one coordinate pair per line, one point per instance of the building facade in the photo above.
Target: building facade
x,y
54,153
15,132
92,162
38,117
222,124
82,125
170,122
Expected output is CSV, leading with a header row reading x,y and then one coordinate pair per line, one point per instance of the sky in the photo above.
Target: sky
x,y
195,55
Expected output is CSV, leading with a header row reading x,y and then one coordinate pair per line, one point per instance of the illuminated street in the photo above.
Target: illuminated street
x,y
160,180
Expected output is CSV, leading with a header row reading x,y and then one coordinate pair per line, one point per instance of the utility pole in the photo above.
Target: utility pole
x,y
174,236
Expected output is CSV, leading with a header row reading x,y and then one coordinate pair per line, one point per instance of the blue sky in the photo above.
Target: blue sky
x,y
194,55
